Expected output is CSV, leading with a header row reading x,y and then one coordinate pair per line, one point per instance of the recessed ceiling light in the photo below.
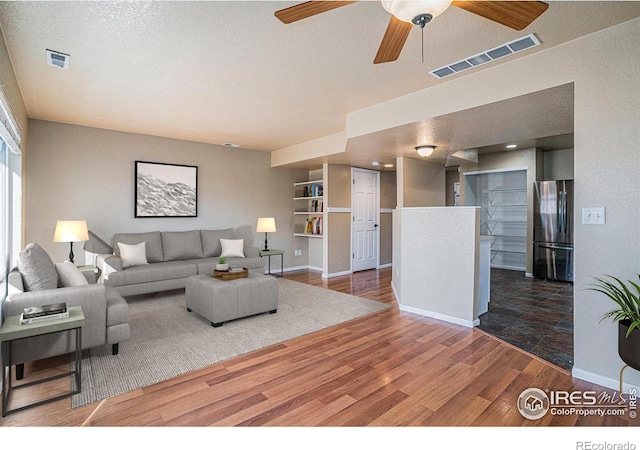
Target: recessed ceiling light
x,y
375,163
388,165
228,144
511,146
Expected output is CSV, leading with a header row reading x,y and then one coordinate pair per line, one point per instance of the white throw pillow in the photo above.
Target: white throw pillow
x,y
70,275
133,254
232,248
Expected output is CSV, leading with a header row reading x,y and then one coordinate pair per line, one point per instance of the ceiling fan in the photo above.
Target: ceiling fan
x,y
406,13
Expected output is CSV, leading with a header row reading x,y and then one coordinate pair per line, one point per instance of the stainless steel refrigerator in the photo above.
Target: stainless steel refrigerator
x,y
553,230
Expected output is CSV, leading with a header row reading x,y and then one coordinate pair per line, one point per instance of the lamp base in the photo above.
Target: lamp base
x,y
71,252
266,246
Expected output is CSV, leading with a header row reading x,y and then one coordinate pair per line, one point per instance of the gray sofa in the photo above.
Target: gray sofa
x,y
37,281
171,257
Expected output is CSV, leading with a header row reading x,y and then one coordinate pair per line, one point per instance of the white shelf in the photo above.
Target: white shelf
x,y
308,198
308,235
308,213
485,191
307,183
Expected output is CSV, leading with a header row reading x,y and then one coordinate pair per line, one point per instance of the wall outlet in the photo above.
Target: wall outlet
x,y
298,252
593,215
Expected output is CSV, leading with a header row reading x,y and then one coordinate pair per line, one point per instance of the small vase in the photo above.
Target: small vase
x,y
222,267
629,347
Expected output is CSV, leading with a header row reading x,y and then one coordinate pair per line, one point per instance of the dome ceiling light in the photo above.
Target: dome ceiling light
x,y
425,150
416,12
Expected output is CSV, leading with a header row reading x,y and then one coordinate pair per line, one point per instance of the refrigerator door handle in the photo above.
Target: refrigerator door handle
x,y
555,247
561,212
564,213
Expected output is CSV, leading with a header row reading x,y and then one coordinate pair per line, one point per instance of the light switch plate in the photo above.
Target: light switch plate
x,y
593,215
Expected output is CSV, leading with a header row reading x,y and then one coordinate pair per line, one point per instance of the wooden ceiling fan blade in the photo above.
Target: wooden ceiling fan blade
x,y
308,9
393,40
513,14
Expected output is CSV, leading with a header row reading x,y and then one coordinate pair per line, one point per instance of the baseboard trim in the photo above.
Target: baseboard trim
x,y
385,266
439,316
337,274
528,275
433,315
610,383
292,269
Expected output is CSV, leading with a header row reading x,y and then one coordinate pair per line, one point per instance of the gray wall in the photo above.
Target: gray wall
x,y
558,164
420,183
86,173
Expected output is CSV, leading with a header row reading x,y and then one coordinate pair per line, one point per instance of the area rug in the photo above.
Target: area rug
x,y
167,341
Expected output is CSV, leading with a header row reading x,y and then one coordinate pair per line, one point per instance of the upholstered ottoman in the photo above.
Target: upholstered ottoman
x,y
220,301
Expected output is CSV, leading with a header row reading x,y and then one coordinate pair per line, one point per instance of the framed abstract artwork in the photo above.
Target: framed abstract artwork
x,y
166,190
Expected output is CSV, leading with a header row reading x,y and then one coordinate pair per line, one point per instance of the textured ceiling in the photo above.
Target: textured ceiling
x,y
217,72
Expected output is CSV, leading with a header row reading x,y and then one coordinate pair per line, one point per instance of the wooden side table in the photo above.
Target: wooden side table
x,y
272,252
12,331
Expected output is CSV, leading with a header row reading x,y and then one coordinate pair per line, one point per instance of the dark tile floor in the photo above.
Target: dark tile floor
x,y
534,315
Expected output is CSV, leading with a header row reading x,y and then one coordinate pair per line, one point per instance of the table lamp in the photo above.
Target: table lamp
x,y
266,225
71,231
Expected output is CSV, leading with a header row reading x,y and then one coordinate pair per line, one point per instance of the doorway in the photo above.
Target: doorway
x,y
533,314
365,207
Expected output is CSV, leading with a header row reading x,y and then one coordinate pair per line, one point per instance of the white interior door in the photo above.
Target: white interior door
x,y
365,207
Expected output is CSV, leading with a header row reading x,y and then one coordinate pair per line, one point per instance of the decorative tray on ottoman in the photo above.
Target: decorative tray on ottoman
x,y
231,274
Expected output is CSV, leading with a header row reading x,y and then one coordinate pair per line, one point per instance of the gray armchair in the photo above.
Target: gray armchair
x,y
105,311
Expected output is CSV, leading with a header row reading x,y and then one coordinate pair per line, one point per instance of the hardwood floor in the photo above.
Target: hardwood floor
x,y
387,369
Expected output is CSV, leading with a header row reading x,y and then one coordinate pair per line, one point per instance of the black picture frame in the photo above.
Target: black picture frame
x,y
165,190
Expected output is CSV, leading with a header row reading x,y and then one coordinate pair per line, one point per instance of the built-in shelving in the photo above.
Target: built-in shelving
x,y
502,197
309,199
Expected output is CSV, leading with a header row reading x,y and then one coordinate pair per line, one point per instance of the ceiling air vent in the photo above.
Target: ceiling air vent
x,y
57,59
490,55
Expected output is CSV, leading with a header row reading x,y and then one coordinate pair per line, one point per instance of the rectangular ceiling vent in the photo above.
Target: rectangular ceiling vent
x,y
490,55
57,59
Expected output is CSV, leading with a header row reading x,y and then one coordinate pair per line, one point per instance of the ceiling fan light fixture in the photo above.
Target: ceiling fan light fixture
x,y
425,150
411,10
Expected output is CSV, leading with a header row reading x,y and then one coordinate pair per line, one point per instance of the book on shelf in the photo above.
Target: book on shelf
x,y
316,206
315,190
313,225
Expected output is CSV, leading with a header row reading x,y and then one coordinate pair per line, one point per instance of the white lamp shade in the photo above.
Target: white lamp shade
x,y
266,225
406,10
71,231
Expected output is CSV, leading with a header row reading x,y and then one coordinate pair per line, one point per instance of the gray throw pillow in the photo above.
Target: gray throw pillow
x,y
37,269
211,241
69,275
178,245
